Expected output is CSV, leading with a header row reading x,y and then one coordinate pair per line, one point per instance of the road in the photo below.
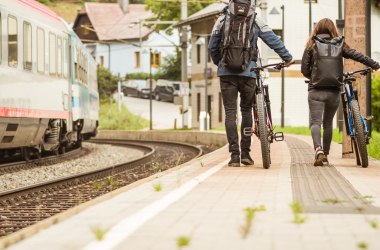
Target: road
x,y
164,113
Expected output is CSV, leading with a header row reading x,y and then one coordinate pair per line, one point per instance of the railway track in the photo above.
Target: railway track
x,y
20,208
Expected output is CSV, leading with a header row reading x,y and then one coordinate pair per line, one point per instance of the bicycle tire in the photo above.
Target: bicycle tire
x,y
263,131
359,134
356,150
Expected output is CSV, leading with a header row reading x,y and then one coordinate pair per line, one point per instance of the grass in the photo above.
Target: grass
x,y
110,118
362,245
157,187
297,210
373,147
67,11
332,201
99,232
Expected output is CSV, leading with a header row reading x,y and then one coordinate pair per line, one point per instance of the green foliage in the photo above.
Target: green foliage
x,y
110,118
157,187
171,11
362,245
44,1
107,83
171,69
250,212
375,95
297,210
374,145
138,76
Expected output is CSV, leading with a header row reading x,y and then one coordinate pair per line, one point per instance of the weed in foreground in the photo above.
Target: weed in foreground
x,y
157,187
250,212
97,185
362,245
373,223
297,210
333,201
99,232
183,241
202,163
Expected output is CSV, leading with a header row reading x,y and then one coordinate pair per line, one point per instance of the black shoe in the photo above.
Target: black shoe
x,y
319,158
235,161
246,159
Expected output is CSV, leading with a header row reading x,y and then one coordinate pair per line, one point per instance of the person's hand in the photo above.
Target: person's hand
x,y
288,63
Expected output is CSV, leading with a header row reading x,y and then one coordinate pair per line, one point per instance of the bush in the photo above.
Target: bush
x,y
107,83
111,118
44,1
375,95
139,76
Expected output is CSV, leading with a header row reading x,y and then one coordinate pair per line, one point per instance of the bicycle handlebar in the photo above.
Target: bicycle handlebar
x,y
361,72
277,66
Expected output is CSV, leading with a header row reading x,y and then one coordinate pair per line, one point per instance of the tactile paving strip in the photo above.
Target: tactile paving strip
x,y
323,189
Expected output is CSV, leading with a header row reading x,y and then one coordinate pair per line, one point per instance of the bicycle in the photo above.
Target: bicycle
x,y
356,126
263,126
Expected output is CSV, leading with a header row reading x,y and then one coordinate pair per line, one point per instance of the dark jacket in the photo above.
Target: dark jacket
x,y
348,53
262,30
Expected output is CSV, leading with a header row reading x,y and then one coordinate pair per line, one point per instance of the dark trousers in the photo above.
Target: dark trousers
x,y
322,104
230,87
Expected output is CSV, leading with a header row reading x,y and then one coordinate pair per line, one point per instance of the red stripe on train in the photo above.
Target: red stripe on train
x,y
33,113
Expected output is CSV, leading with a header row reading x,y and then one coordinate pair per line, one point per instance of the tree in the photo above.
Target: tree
x,y
171,69
170,10
107,83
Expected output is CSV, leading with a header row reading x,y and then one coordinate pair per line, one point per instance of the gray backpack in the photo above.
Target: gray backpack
x,y
327,69
237,34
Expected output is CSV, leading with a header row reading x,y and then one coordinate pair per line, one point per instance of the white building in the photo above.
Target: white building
x,y
120,40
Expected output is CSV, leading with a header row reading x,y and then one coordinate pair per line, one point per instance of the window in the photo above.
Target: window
x,y
198,54
101,61
65,63
40,50
137,59
198,106
1,35
12,41
27,46
156,60
59,56
52,54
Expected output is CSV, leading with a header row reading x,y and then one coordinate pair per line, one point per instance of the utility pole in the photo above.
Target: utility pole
x,y
263,4
340,25
368,52
356,37
185,97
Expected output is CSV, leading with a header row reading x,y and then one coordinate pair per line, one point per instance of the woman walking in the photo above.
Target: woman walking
x,y
322,63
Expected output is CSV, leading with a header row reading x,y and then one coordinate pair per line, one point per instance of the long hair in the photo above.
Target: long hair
x,y
324,26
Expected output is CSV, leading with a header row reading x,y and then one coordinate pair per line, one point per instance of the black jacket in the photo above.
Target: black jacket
x,y
348,53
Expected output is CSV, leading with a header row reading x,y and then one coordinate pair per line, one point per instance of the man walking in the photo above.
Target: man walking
x,y
233,48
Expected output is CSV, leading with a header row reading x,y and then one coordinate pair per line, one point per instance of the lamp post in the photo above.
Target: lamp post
x,y
202,41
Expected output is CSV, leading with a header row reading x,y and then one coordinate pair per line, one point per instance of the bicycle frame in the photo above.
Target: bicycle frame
x,y
349,94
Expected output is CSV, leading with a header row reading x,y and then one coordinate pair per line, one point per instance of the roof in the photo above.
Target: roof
x,y
42,9
209,11
110,23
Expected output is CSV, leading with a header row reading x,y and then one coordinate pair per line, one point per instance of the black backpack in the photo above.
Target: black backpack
x,y
327,69
237,34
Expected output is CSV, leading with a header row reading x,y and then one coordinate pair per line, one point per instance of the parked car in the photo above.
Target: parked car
x,y
166,90
139,88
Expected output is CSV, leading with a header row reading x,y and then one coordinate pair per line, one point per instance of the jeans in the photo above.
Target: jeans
x,y
322,104
230,87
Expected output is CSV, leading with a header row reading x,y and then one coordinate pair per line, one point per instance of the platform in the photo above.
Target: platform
x,y
204,201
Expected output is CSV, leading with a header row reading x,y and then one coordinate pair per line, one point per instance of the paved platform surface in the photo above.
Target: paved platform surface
x,y
205,201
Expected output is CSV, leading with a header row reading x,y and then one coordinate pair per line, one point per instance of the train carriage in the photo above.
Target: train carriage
x,y
48,90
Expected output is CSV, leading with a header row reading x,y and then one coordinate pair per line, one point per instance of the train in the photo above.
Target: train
x,y
49,98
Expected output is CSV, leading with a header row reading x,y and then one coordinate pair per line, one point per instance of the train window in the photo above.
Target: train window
x,y
27,46
65,64
12,41
52,54
1,35
40,50
59,56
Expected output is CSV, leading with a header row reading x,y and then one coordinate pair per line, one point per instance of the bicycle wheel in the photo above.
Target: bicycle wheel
x,y
263,131
360,142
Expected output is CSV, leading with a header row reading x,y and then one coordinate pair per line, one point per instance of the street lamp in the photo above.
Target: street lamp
x,y
150,88
202,41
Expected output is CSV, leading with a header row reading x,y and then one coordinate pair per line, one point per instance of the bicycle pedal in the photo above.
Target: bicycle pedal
x,y
369,118
279,136
248,131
